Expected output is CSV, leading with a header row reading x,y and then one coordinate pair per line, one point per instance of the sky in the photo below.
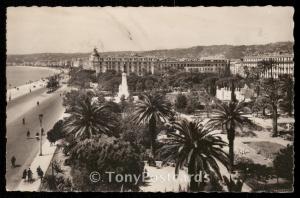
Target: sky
x,y
80,29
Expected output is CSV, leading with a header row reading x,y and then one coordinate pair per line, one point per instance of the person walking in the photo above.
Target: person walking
x,y
38,103
24,174
13,161
29,173
37,135
40,172
28,134
23,121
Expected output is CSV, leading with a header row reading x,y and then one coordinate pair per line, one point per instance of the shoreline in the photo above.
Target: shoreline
x,y
28,87
45,67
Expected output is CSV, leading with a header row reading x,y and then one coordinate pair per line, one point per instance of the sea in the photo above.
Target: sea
x,y
20,75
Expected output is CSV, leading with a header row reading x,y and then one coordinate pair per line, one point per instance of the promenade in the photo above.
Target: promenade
x,y
22,90
43,162
26,149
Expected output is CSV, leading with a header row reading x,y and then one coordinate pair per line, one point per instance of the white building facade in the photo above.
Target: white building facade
x,y
128,64
282,64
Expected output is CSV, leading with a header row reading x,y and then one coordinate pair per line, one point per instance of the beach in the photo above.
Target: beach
x,y
20,75
26,80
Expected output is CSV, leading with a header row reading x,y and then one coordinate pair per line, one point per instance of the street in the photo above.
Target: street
x,y
17,143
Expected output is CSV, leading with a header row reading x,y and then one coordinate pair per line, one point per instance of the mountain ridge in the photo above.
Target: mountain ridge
x,y
228,51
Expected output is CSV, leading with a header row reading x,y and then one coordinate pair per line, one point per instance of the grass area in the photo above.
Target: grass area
x,y
269,186
264,148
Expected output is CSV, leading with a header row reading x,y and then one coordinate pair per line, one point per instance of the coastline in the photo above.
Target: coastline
x,y
42,67
28,87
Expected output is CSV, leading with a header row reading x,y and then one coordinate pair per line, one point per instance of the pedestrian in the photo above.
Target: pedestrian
x,y
37,136
30,90
28,134
13,161
24,174
23,121
29,173
38,103
40,172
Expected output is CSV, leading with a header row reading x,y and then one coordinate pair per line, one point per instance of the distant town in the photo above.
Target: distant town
x,y
142,64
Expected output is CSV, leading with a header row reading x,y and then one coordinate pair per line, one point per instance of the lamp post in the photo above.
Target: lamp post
x,y
41,120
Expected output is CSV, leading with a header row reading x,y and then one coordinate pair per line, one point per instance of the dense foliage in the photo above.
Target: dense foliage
x,y
105,154
56,133
53,83
181,102
81,78
284,163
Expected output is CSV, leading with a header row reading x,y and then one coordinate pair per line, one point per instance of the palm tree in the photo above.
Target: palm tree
x,y
287,85
272,94
254,78
210,85
206,99
267,65
261,103
232,82
150,110
88,119
196,147
229,116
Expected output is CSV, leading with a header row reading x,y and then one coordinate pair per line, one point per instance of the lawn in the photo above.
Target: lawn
x,y
264,148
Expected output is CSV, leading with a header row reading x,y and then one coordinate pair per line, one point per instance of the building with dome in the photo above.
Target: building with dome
x,y
128,64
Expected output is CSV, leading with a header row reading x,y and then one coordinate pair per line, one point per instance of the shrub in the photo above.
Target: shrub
x,y
56,133
106,154
57,183
181,101
284,163
252,170
189,109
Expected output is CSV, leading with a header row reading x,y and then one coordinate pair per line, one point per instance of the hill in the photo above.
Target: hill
x,y
228,51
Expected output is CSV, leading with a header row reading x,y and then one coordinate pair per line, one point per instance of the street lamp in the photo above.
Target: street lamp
x,y
41,120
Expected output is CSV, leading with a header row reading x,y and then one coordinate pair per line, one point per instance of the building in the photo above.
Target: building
x,y
142,65
78,62
236,67
207,65
282,64
241,94
130,64
164,65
